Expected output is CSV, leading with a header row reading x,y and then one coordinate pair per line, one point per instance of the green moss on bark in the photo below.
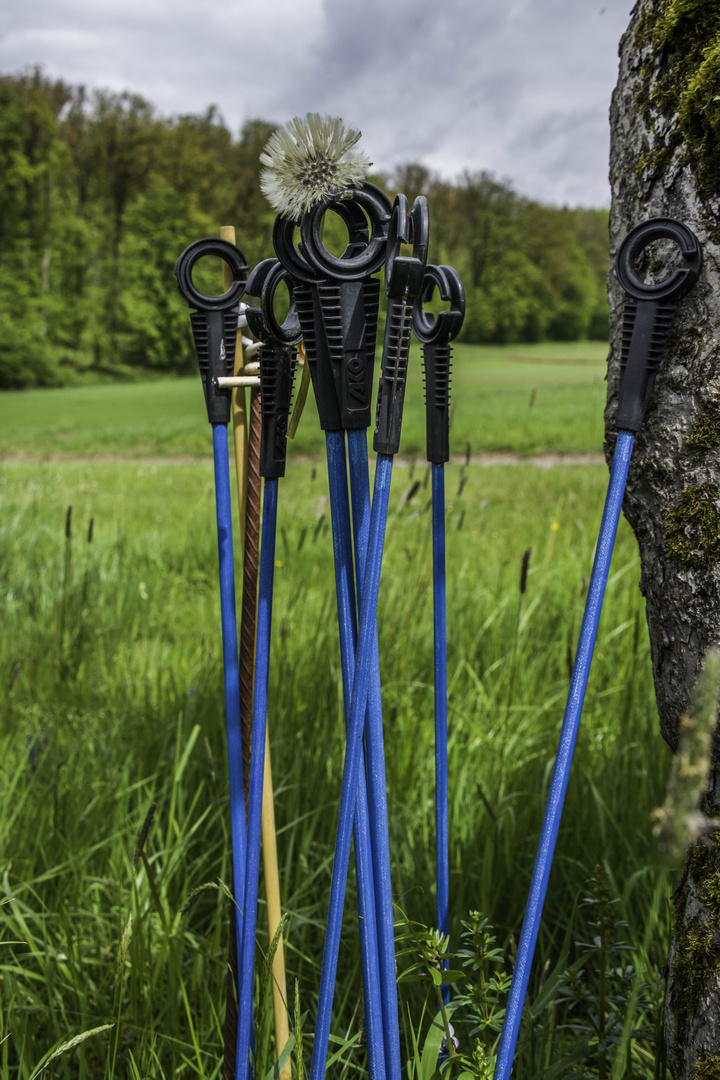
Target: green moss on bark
x,y
692,529
705,434
697,943
678,91
707,1067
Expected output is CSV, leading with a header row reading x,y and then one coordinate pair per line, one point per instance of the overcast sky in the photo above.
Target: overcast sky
x,y
518,87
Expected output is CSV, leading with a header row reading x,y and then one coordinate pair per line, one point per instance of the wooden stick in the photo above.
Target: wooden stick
x,y
302,391
236,381
274,912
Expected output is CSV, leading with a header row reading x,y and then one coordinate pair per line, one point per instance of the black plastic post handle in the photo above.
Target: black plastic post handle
x,y
224,250
338,300
214,322
364,255
276,356
436,333
404,276
649,312
305,290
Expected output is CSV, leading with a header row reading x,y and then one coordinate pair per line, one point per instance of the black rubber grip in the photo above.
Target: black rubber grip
x,y
650,312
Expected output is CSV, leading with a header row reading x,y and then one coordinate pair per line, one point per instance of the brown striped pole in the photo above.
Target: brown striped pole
x,y
246,432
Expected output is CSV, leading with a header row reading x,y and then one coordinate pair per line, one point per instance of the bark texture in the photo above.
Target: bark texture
x,y
665,160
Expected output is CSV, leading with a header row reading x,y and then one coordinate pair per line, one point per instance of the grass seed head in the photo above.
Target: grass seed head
x,y
308,160
143,834
524,569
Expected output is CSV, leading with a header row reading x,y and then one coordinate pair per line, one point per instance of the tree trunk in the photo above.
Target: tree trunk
x,y
665,160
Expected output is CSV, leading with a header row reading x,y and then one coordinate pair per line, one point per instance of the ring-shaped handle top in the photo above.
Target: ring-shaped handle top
x,y
445,327
288,254
224,250
398,234
293,258
682,278
404,275
264,282
364,255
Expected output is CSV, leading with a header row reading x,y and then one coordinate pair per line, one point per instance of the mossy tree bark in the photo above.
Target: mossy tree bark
x,y
665,160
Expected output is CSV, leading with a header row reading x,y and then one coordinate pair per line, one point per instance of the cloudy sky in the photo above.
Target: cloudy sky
x,y
518,87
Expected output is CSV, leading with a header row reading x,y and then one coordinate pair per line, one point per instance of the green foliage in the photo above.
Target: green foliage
x,y
705,434
692,528
531,272
707,1066
99,195
594,1016
480,988
696,956
482,998
679,41
597,992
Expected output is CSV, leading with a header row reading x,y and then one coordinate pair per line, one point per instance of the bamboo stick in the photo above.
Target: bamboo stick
x,y
274,912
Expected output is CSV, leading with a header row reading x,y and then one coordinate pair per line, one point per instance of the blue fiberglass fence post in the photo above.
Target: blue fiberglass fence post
x,y
375,758
214,326
358,702
345,591
563,759
442,843
260,702
338,302
275,395
403,282
223,506
436,335
338,364
648,317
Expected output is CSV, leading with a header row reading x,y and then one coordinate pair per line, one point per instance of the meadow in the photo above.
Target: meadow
x,y
111,701
493,388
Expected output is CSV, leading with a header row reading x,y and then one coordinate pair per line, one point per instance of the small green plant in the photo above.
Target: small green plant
x,y
482,983
428,952
487,985
598,989
583,1019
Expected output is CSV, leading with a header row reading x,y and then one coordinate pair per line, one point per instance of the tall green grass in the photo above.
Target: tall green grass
x,y
111,699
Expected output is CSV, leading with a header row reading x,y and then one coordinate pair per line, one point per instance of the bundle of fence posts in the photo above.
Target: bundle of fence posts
x,y
334,304
312,167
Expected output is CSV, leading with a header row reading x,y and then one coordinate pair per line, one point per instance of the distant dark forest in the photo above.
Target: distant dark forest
x,y
99,195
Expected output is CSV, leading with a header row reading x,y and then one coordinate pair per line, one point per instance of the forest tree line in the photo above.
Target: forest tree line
x,y
99,195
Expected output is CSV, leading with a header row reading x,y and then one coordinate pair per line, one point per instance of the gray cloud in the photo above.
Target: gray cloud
x,y
518,87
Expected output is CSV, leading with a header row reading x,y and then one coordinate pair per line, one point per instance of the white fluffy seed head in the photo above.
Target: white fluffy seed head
x,y
310,159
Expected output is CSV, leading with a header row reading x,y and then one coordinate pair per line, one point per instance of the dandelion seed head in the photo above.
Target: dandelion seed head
x,y
310,160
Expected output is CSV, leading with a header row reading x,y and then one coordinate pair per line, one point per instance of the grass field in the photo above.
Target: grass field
x,y
111,699
493,387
